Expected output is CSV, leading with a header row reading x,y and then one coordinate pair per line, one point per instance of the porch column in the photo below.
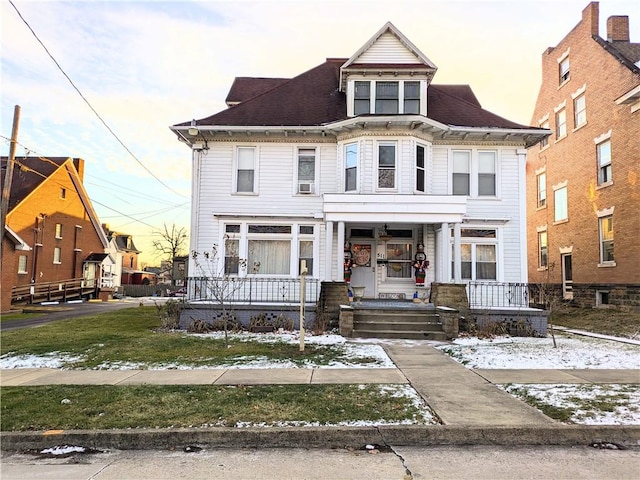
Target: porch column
x,y
340,253
328,251
457,257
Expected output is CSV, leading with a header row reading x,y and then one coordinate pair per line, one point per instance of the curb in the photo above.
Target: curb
x,y
326,437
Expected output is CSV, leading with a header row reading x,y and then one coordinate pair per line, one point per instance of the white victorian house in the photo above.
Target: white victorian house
x,y
366,159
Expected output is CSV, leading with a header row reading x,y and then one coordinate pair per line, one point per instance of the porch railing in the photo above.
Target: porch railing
x,y
492,294
251,290
61,290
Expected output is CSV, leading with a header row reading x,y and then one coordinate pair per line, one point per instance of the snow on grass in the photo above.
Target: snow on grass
x,y
539,353
584,404
48,360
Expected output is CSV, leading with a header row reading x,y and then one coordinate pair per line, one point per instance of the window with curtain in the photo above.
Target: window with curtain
x,y
412,97
246,170
420,169
478,254
387,97
386,166
461,172
487,173
563,69
351,167
560,204
362,98
305,252
231,257
400,260
269,257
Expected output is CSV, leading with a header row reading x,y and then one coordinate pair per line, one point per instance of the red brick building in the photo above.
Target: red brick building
x,y
583,183
52,233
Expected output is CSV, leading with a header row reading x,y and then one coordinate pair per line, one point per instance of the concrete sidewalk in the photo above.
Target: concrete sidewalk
x,y
471,407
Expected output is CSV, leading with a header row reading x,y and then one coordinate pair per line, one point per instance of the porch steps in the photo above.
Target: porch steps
x,y
394,323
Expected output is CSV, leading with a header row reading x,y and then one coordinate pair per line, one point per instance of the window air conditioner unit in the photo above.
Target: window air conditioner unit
x,y
305,187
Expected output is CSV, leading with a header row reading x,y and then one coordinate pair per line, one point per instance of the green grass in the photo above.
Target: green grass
x,y
12,317
107,407
133,336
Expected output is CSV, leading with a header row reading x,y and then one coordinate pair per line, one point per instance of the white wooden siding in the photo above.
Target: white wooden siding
x,y
387,49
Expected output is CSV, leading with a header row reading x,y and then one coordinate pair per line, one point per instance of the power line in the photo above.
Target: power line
x,y
89,104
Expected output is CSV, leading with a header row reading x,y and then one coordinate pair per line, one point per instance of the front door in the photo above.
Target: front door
x,y
364,268
567,277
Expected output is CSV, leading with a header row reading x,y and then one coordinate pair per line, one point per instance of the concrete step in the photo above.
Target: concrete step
x,y
397,325
421,335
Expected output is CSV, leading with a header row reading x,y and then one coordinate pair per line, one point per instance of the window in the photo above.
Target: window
x,y
387,97
56,255
351,167
604,162
461,169
560,204
270,257
579,111
606,239
487,173
306,169
362,94
386,166
561,123
305,252
564,70
478,254
58,230
246,170
231,256
542,189
412,97
22,264
420,169
543,250
545,141
400,260
63,193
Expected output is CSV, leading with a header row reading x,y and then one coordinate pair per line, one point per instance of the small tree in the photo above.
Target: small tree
x,y
219,280
172,243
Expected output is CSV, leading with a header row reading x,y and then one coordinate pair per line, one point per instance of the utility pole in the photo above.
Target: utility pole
x,y
8,176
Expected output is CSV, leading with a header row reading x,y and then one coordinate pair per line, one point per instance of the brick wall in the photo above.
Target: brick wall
x,y
572,159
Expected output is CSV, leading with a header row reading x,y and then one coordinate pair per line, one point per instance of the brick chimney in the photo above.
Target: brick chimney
x,y
79,164
590,16
618,28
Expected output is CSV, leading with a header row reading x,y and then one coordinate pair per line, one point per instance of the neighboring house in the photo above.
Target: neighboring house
x,y
55,247
584,181
361,163
127,254
180,269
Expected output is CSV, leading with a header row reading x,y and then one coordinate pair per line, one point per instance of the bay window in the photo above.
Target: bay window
x,y
362,98
420,169
478,254
351,168
412,97
386,165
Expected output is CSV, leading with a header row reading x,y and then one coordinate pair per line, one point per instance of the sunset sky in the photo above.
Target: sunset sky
x,y
145,65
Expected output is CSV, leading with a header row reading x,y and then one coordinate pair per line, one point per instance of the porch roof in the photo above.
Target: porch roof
x,y
394,208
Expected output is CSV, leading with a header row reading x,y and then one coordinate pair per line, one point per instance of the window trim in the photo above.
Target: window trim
x,y
604,167
22,270
543,250
495,174
58,231
580,96
351,95
420,171
314,182
561,127
564,75
454,172
605,215
57,256
541,202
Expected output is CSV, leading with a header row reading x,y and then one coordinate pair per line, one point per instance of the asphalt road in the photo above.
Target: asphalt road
x,y
66,311
398,463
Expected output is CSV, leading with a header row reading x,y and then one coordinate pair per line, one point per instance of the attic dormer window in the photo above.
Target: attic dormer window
x,y
382,97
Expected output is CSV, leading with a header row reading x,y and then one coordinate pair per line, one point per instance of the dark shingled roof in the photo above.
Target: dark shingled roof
x,y
627,53
28,174
244,88
313,99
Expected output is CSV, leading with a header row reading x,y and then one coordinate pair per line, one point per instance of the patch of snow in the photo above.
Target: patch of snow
x,y
539,353
591,404
63,450
48,360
